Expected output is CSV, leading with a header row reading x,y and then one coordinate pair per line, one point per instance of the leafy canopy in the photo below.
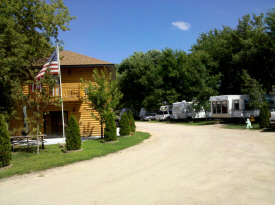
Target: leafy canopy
x,y
28,30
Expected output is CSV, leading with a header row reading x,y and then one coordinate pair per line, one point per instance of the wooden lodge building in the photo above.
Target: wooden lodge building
x,y
73,67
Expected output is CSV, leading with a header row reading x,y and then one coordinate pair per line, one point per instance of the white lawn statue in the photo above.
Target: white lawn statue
x,y
248,124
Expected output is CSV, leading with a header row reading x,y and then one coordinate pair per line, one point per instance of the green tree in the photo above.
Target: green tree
x,y
250,47
38,100
124,125
138,79
110,133
254,90
264,117
132,122
28,30
73,136
102,96
5,146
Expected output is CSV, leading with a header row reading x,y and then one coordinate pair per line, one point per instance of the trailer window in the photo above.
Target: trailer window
x,y
224,107
219,108
214,107
236,105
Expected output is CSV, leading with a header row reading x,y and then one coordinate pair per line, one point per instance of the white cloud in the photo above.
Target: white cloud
x,y
182,25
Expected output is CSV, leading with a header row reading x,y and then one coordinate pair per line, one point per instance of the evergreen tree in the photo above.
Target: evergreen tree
x,y
73,137
264,117
110,128
124,125
132,122
5,146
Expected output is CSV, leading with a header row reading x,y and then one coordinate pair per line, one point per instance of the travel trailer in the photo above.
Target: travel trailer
x,y
232,106
184,110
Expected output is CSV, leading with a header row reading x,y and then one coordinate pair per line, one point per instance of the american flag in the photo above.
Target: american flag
x,y
51,66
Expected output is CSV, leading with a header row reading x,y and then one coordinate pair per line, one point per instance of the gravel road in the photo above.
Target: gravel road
x,y
177,165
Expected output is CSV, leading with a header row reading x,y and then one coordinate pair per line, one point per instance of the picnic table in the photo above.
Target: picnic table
x,y
26,141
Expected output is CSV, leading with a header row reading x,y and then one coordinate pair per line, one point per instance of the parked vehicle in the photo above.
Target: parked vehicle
x,y
149,117
143,112
164,113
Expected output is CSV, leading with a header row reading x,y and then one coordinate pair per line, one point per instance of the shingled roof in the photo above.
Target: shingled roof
x,y
71,58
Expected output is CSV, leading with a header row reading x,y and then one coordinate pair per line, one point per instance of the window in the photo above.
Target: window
x,y
236,105
224,107
214,107
219,111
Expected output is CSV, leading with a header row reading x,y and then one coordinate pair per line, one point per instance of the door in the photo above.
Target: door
x,y
53,123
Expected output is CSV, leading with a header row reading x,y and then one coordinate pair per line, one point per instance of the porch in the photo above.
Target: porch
x,y
70,92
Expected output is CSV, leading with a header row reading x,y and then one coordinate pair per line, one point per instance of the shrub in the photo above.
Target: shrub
x,y
124,125
132,122
5,145
73,137
264,117
110,128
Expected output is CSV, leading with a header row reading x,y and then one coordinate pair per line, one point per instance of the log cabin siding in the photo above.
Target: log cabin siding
x,y
79,109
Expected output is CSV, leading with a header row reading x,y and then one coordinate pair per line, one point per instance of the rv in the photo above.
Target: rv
x,y
185,110
232,106
182,110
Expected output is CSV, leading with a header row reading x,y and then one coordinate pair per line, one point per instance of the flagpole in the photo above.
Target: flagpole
x,y
63,125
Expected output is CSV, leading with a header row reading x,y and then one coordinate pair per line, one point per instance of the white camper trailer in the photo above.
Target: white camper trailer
x,y
185,110
182,110
232,106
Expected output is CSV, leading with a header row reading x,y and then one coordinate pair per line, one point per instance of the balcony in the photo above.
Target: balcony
x,y
70,92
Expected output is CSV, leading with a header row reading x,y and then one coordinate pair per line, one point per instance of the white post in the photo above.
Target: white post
x,y
63,125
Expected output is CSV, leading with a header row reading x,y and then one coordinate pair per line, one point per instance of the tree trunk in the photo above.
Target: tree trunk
x,y
101,130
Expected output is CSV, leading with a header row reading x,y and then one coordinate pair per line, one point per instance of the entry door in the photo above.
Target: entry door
x,y
53,122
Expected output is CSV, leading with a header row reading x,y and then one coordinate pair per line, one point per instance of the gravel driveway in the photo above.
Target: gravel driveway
x,y
177,165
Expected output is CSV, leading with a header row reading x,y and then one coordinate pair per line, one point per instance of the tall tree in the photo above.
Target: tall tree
x,y
28,30
139,78
103,95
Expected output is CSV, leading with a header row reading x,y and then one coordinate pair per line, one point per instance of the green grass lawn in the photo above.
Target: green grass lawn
x,y
255,126
24,161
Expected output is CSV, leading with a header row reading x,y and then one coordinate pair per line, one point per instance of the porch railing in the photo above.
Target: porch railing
x,y
70,92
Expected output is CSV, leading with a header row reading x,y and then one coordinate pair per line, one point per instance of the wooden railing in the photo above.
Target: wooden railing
x,y
70,92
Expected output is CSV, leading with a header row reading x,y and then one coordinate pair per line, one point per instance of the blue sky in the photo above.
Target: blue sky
x,y
112,30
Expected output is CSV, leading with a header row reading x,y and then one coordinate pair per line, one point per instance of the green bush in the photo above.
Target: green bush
x,y
5,145
73,137
132,122
264,117
110,128
124,125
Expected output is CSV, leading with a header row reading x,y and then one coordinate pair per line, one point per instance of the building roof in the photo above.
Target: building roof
x,y
71,58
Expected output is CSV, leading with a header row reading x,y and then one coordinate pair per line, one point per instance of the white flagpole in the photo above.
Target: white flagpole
x,y
63,125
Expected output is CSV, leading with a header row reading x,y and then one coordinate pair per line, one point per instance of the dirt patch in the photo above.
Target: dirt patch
x,y
177,165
